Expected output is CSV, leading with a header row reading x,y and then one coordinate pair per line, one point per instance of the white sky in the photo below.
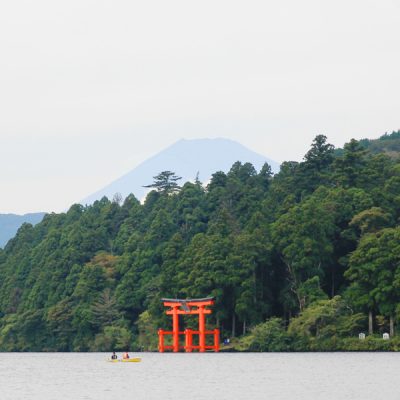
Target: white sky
x,y
88,89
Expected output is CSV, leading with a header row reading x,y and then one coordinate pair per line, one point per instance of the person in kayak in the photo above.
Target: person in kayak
x,y
125,356
114,356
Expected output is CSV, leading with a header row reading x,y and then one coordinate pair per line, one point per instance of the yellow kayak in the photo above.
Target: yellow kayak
x,y
136,359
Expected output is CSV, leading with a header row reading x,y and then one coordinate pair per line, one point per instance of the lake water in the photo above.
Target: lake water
x,y
253,376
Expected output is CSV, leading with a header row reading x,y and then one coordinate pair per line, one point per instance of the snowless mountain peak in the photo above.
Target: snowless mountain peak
x,y
186,158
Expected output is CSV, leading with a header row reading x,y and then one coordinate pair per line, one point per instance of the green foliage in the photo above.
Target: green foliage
x,y
275,251
322,324
303,236
371,220
165,182
112,338
105,310
375,271
317,164
147,339
268,336
310,291
387,143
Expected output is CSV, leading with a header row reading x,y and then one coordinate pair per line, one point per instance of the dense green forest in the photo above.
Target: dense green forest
x,y
303,260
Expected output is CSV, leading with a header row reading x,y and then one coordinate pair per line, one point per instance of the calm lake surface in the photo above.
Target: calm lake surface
x,y
297,376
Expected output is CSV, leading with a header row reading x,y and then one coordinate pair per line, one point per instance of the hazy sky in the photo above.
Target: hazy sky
x,y
88,89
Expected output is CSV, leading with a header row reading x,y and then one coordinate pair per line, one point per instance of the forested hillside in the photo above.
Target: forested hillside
x,y
303,260
389,143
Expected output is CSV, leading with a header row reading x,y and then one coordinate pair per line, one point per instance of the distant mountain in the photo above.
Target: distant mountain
x,y
10,223
186,158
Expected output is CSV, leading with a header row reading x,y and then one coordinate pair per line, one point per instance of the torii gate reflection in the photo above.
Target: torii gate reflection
x,y
188,307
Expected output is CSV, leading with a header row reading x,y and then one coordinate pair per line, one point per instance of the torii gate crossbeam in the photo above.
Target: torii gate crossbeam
x,y
188,307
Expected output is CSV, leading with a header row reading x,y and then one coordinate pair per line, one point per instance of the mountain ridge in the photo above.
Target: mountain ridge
x,y
10,223
186,158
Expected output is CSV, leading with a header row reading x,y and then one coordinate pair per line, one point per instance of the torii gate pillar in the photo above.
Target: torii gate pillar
x,y
188,307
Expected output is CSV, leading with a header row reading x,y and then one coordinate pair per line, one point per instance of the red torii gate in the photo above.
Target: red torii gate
x,y
188,307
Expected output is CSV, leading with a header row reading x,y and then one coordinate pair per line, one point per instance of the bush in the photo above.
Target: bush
x,y
268,336
323,325
112,338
